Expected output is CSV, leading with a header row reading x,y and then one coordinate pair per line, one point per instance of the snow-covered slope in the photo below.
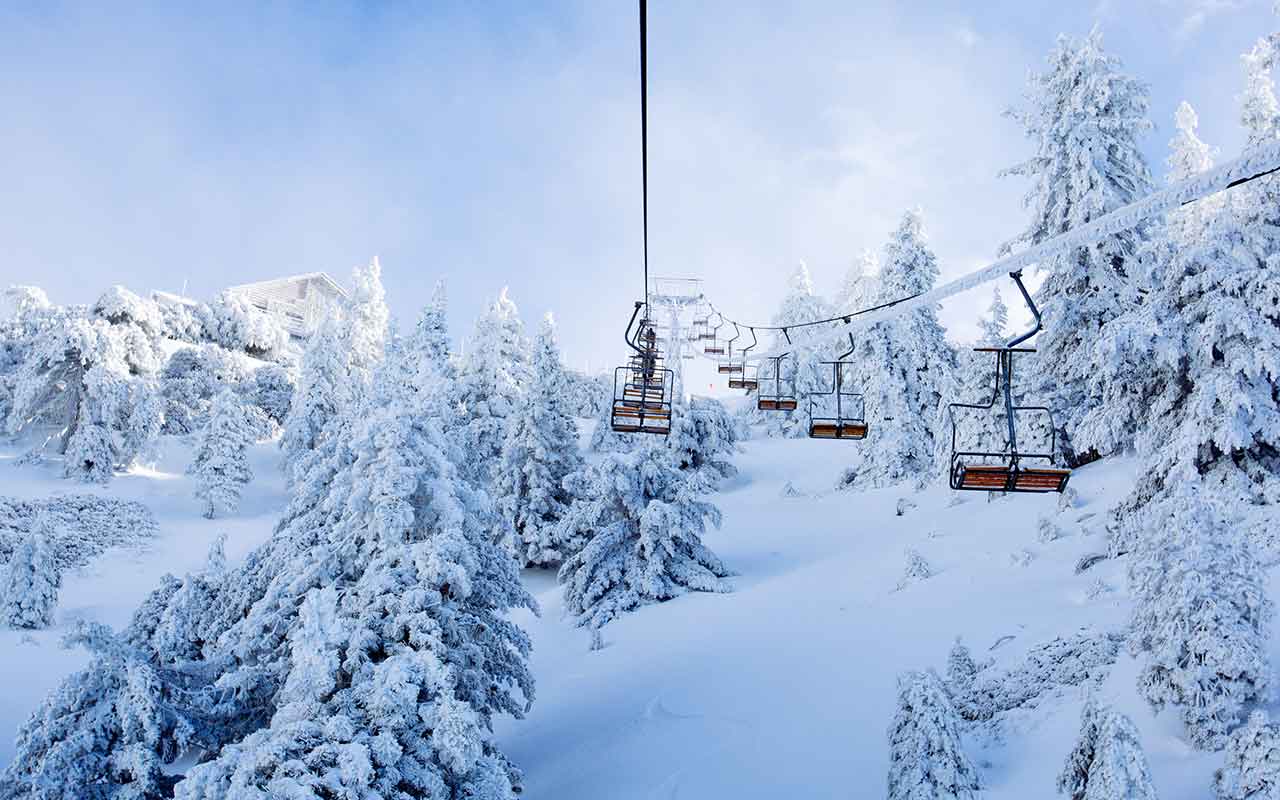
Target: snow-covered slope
x,y
110,589
783,688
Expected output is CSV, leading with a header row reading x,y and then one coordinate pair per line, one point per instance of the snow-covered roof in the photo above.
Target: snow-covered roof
x,y
306,276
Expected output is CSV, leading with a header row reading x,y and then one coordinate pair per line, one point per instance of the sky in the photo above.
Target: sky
x,y
497,144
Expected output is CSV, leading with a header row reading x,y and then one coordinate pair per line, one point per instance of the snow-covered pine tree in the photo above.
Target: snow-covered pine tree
x,y
90,381
190,379
110,729
1107,762
1252,768
802,370
398,652
995,324
491,384
645,518
1211,340
961,668
236,324
540,451
1199,618
367,322
270,390
703,437
220,465
29,593
908,367
318,400
1141,351
859,287
1081,106
926,757
604,439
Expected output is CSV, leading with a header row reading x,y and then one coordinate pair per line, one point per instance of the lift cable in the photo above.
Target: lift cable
x,y
644,145
1256,163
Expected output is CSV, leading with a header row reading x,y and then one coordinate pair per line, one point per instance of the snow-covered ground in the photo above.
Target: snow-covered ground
x,y
783,688
110,589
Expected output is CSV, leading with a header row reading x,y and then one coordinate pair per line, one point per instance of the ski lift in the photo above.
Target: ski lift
x,y
747,374
713,336
728,367
642,389
778,400
1004,470
845,424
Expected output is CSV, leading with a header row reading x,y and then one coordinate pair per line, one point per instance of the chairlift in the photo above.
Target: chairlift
x,y
1004,470
845,424
747,374
642,389
716,348
777,400
728,367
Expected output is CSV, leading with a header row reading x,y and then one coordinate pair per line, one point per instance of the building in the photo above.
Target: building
x,y
299,302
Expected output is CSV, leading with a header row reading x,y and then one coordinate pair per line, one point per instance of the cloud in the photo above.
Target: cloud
x,y
1195,13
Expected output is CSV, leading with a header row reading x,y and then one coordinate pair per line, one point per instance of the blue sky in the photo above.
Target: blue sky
x,y
497,143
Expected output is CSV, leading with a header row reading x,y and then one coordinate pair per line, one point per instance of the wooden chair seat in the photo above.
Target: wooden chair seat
x,y
772,404
628,413
999,478
727,369
832,430
714,351
739,383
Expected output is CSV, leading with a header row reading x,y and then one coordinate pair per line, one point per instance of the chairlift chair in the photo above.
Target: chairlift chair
x,y
716,348
747,375
973,470
846,424
777,400
728,367
643,388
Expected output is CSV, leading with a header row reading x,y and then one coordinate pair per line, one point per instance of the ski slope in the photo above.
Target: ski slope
x,y
783,688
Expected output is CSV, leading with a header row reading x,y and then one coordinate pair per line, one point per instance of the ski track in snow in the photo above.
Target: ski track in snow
x,y
783,688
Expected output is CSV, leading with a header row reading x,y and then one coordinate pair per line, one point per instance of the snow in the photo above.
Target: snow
x,y
783,688
109,590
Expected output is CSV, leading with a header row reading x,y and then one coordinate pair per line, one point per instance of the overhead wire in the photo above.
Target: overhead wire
x,y
1258,162
644,144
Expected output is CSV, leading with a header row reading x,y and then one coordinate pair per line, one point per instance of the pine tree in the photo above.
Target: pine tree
x,y
399,654
321,391
1107,762
961,668
91,381
703,436
1200,615
1141,351
1252,768
1208,347
926,757
646,520
1081,107
220,465
541,450
802,371
491,385
908,367
996,323
111,729
31,579
859,288
368,321
604,439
